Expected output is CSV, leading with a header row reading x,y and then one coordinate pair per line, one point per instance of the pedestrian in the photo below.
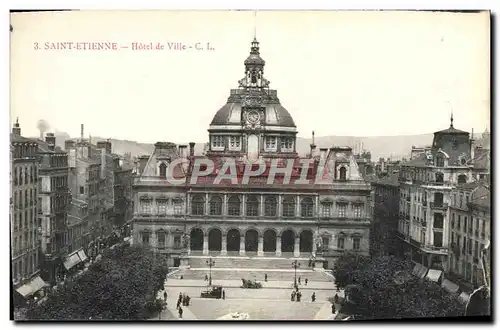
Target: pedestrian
x,y
165,295
188,298
298,296
293,296
338,290
299,279
313,297
223,294
182,277
180,312
265,277
206,277
333,309
336,298
306,280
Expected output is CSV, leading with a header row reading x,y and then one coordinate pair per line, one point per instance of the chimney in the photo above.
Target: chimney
x,y
51,141
69,144
106,145
191,149
313,145
81,133
16,130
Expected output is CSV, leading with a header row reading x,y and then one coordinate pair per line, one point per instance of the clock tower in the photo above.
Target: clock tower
x,y
253,123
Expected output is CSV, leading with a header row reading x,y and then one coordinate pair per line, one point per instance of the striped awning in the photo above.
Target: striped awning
x,y
449,286
82,255
31,287
416,269
72,260
422,272
433,275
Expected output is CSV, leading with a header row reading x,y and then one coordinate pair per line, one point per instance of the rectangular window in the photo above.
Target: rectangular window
x,y
476,249
234,142
162,206
326,210
438,239
469,246
356,243
82,189
340,243
161,239
177,242
177,207
270,142
464,246
342,210
146,206
217,141
358,211
286,143
145,238
326,242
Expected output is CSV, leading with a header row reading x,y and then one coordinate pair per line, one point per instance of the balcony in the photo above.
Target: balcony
x,y
439,205
424,203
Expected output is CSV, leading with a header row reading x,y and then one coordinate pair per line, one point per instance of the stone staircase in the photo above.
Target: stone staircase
x,y
231,262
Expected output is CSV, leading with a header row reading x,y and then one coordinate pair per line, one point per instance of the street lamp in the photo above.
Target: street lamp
x,y
295,265
210,263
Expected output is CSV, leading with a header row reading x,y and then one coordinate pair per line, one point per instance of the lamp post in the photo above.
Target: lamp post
x,y
295,265
210,263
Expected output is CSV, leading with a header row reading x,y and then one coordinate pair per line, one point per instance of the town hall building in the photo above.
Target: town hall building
x,y
247,217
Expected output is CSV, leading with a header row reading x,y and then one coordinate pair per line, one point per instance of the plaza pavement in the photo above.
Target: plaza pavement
x,y
272,302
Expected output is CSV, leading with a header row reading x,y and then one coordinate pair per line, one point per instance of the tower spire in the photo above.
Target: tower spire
x,y
254,25
451,119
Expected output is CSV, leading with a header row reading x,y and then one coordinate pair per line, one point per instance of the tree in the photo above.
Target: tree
x,y
383,293
122,285
344,270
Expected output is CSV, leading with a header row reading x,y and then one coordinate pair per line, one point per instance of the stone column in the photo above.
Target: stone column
x,y
243,205
260,249
316,207
224,245
280,206
242,245
296,248
297,206
207,205
205,245
261,211
188,204
224,206
278,246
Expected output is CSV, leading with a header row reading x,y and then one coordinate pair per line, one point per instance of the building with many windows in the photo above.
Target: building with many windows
x,y
427,182
470,231
54,200
25,224
233,216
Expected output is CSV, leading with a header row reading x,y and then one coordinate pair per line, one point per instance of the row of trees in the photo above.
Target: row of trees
x,y
383,288
120,286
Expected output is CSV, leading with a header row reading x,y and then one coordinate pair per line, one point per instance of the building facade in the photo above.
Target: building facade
x,y
206,215
470,231
25,224
426,185
54,197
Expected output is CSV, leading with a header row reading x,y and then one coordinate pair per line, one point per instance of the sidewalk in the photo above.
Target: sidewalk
x,y
325,312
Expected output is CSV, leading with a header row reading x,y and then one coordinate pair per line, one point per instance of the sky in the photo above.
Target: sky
x,y
337,73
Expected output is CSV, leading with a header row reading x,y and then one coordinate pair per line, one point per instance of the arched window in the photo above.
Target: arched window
x,y
215,205
252,206
233,205
343,173
26,175
270,206
462,178
288,206
198,205
341,242
439,177
31,175
306,207
16,178
163,170
21,176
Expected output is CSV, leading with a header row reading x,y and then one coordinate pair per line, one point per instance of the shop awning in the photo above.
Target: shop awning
x,y
82,255
433,275
416,269
72,260
449,286
422,272
31,287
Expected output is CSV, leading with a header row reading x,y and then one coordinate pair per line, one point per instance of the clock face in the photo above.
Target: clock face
x,y
253,117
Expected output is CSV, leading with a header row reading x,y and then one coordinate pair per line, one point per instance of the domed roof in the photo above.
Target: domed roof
x,y
275,115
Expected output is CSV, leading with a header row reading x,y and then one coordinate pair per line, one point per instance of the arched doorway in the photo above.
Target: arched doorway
x,y
214,240
287,241
306,241
251,240
233,240
196,239
269,241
